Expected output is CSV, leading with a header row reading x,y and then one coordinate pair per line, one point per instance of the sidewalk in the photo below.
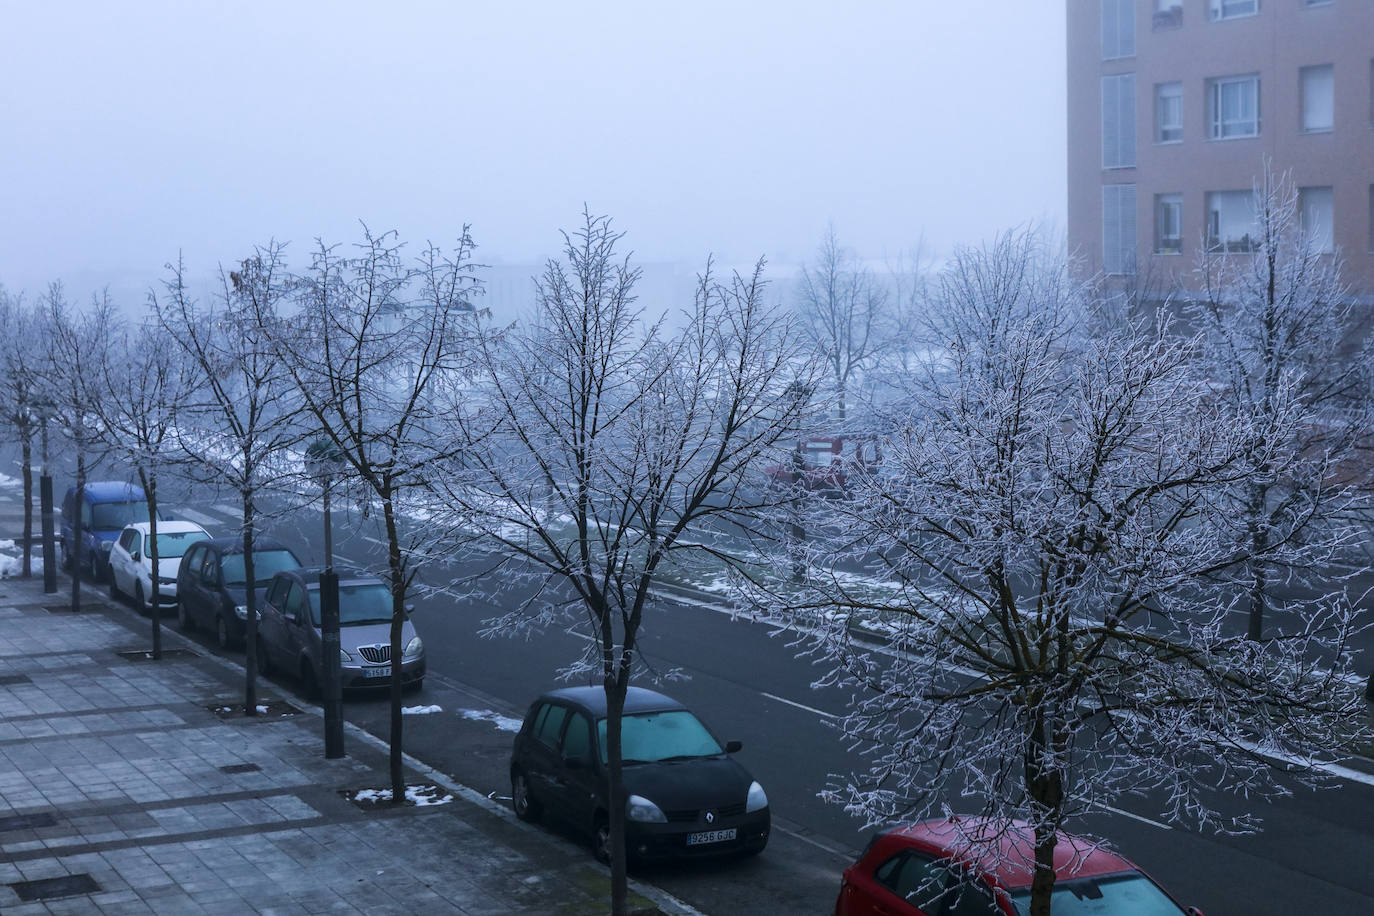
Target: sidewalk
x,y
127,787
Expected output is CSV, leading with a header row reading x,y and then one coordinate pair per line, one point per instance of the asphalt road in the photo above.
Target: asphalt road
x,y
747,683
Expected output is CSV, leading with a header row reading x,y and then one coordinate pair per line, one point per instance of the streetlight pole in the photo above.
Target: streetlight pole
x,y
46,509
323,458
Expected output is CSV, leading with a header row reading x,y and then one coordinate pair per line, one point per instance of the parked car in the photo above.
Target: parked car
x,y
687,795
825,464
289,636
131,561
212,584
104,507
932,868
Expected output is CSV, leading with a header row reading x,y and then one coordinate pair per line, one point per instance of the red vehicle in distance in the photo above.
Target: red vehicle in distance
x,y
933,868
826,464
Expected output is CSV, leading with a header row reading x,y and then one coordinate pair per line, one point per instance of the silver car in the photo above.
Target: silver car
x,y
289,637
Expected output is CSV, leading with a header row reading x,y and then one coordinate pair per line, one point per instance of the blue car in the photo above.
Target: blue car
x,y
105,507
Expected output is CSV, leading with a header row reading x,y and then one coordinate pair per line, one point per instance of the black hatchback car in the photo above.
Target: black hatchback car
x,y
687,796
212,585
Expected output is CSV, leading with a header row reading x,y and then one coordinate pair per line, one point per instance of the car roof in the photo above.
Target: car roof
x,y
1008,856
593,699
109,491
169,526
348,575
234,544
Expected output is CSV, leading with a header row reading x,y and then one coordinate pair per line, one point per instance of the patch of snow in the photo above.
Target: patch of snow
x,y
420,710
504,723
262,710
417,795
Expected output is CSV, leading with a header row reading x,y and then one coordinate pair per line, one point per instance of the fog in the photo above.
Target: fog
x,y
132,132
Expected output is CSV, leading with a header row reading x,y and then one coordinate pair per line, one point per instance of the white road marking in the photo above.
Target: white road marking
x,y
1134,817
231,511
819,712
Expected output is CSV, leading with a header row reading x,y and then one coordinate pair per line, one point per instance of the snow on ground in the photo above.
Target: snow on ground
x,y
416,795
11,561
420,710
504,723
11,482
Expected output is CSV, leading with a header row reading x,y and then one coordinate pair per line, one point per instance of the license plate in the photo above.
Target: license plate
x,y
377,672
710,836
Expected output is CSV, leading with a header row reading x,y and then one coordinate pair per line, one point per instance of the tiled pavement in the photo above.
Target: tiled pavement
x,y
122,770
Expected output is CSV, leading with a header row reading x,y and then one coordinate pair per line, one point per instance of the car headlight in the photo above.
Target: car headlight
x,y
639,808
344,657
758,799
413,648
241,611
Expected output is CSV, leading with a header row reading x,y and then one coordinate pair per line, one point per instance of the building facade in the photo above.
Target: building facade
x,y
1173,106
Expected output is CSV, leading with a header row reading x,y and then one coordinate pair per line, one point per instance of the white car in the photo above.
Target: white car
x,y
131,568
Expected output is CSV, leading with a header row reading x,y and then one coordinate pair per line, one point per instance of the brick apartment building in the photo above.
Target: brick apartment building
x,y
1172,106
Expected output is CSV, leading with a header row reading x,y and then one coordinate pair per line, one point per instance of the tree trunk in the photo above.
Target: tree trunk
x,y
1259,580
1045,784
78,525
26,569
150,493
615,708
398,616
250,623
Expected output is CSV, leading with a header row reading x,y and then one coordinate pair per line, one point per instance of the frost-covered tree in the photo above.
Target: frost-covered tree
x,y
141,393
21,344
602,443
237,429
370,340
1040,541
842,307
1281,347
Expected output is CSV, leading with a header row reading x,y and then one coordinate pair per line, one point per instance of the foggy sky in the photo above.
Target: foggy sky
x,y
129,132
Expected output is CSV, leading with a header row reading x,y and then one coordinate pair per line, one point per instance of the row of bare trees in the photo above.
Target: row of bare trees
x,y
1067,513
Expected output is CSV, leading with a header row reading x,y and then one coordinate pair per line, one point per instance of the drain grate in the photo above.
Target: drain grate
x,y
9,680
241,768
52,888
27,821
146,655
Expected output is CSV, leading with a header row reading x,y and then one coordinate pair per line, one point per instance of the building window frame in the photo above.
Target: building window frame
x,y
1168,14
1224,216
1221,10
1316,215
1118,29
1310,104
1118,229
1169,223
1169,112
1233,107
1118,121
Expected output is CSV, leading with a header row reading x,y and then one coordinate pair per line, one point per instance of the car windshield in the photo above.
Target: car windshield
x,y
652,736
368,602
174,543
266,564
1117,895
117,515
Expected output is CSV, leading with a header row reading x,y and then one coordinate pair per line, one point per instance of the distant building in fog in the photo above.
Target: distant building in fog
x,y
1172,105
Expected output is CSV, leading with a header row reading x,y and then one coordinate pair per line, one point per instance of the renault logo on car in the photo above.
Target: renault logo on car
x,y
710,817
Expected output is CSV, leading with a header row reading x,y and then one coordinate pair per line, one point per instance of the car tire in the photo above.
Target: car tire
x,y
66,556
115,593
185,623
222,638
522,799
140,600
93,566
601,839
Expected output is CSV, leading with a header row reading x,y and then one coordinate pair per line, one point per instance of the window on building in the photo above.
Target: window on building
x,y
1168,14
1118,121
1118,228
1230,220
1118,29
1168,112
1314,208
1168,224
1232,9
1318,97
1233,106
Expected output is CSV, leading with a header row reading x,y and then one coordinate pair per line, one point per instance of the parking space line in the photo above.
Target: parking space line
x,y
819,712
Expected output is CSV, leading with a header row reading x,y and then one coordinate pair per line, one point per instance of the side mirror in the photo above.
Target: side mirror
x,y
733,746
1193,911
136,557
410,609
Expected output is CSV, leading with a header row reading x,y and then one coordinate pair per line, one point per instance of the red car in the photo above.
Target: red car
x,y
933,869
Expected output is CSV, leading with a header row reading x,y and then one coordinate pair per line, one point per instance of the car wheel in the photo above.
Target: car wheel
x,y
310,685
222,633
115,593
93,565
184,621
140,601
601,839
526,806
415,686
66,556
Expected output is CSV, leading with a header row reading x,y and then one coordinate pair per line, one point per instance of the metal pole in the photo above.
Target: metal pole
x,y
329,630
45,504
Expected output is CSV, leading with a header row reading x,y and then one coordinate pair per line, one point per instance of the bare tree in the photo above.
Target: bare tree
x,y
75,352
239,426
1040,541
20,348
604,443
842,308
1281,341
141,395
365,353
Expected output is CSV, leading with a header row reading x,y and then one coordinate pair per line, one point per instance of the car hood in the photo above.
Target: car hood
x,y
167,568
702,782
372,634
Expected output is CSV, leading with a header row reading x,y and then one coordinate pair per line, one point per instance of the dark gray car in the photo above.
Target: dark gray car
x,y
289,637
212,587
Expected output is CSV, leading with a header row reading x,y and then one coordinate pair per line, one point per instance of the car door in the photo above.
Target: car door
x,y
578,779
121,561
541,756
296,616
188,581
207,587
272,620
911,883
